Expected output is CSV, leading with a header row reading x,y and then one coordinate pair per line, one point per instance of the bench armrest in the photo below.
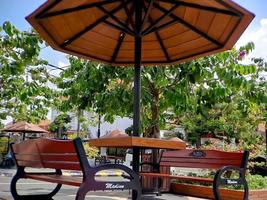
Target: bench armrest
x,y
219,181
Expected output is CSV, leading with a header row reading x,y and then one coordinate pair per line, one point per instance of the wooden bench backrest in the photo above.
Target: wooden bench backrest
x,y
49,153
207,159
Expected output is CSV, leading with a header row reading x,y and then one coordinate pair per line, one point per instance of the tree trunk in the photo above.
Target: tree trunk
x,y
198,142
153,131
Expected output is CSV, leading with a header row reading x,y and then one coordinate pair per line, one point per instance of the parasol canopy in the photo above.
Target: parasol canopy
x,y
23,127
115,134
171,30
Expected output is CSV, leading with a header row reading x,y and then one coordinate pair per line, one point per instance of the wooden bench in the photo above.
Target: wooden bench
x,y
65,155
223,162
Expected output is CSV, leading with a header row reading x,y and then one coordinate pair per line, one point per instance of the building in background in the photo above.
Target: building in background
x,y
105,127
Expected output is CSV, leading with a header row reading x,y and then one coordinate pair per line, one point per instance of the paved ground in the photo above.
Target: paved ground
x,y
68,192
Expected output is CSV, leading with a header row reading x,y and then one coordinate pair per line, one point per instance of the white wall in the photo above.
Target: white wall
x,y
105,127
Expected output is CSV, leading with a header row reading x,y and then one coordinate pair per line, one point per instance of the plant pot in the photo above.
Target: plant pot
x,y
206,192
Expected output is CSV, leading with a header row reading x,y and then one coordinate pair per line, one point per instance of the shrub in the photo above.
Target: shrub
x,y
256,182
91,152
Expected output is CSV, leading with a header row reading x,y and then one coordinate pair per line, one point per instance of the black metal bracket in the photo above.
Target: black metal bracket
x,y
219,181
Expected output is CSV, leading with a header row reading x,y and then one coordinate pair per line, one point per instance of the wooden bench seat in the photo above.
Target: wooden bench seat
x,y
65,155
222,162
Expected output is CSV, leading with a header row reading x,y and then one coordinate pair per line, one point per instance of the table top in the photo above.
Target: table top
x,y
141,142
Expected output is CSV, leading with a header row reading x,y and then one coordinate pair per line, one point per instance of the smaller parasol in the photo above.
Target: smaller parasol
x,y
24,127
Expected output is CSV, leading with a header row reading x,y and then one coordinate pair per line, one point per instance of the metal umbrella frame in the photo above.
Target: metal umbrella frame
x,y
136,32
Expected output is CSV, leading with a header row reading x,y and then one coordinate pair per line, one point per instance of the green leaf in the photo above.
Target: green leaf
x,y
8,28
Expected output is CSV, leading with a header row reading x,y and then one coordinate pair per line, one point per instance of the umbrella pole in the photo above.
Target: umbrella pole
x,y
137,84
137,81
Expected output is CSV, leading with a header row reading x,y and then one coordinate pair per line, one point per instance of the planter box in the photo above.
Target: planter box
x,y
206,192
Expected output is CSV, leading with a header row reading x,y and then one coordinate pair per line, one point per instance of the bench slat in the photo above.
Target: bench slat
x,y
61,179
30,163
43,145
213,154
184,178
194,162
48,157
192,165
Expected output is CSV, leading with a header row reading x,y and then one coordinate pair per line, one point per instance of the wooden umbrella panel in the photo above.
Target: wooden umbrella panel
x,y
171,31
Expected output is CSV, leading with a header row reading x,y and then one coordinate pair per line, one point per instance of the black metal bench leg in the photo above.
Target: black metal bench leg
x,y
16,196
82,191
138,194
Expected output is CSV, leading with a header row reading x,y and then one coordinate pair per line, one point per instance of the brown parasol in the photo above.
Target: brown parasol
x,y
125,32
115,134
170,30
23,127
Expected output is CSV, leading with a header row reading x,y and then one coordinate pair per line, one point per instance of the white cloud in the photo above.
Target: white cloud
x,y
259,37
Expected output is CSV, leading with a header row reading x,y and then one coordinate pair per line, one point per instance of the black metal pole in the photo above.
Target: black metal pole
x,y
98,128
137,83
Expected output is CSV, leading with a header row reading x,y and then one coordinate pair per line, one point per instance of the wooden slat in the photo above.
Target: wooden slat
x,y
179,39
228,30
219,24
67,180
62,165
183,178
46,153
205,20
194,165
49,164
207,161
209,153
30,163
204,50
48,157
189,47
84,51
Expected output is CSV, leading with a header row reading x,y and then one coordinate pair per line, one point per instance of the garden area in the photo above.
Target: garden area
x,y
216,102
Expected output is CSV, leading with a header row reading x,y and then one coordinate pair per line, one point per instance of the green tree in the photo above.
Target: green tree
x,y
233,103
60,125
23,76
168,91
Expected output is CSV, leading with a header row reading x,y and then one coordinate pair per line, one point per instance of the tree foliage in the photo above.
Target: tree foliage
x,y
206,89
23,76
60,125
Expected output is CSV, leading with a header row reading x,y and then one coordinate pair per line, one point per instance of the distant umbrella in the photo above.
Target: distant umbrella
x,y
23,127
115,134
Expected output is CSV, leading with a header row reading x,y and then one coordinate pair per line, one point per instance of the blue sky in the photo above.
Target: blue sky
x,y
16,10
